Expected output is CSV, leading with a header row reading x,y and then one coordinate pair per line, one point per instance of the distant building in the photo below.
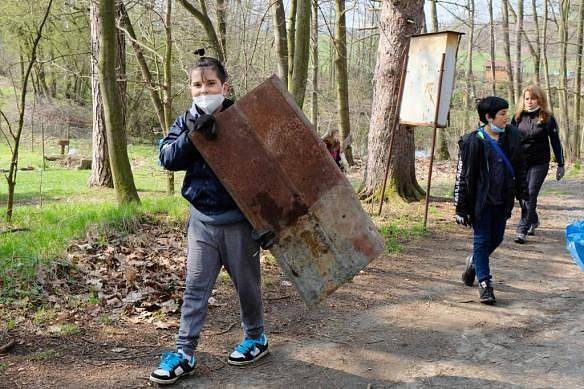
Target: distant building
x,y
500,72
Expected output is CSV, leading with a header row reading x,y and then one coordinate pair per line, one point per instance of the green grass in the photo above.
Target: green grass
x,y
399,230
575,170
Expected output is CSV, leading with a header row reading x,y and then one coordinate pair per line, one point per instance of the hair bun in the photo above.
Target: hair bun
x,y
200,52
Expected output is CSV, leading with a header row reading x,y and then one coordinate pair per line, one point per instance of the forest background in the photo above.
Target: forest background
x,y
53,119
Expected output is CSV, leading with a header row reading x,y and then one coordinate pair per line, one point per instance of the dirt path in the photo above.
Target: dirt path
x,y
406,321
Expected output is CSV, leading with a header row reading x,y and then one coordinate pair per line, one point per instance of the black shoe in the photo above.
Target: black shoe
x,y
469,273
520,238
532,228
486,293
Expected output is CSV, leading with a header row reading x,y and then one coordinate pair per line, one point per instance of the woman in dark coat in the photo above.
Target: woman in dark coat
x,y
538,128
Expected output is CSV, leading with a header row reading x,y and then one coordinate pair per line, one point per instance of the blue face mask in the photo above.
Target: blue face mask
x,y
494,128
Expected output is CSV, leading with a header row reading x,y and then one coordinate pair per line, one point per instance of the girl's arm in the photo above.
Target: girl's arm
x,y
177,152
554,136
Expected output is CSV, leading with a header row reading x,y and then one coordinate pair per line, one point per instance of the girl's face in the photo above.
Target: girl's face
x,y
205,81
500,119
530,101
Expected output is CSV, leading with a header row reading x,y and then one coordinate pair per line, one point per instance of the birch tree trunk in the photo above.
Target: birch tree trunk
x,y
116,136
291,39
398,21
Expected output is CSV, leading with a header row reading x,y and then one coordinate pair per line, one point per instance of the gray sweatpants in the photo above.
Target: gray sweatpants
x,y
209,248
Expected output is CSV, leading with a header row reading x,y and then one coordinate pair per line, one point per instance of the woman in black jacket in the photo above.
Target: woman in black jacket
x,y
538,128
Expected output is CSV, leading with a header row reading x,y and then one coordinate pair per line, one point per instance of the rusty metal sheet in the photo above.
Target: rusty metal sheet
x,y
277,169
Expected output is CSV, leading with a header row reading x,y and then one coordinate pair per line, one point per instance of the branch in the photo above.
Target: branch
x,y
138,42
207,25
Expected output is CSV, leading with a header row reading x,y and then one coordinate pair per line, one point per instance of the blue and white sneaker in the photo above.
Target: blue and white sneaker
x,y
172,367
249,351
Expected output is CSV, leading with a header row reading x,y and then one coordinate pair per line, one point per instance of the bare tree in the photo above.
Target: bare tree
x,y
546,70
342,80
314,99
203,18
398,21
116,136
492,49
468,94
577,129
563,95
301,52
518,63
281,39
507,51
15,134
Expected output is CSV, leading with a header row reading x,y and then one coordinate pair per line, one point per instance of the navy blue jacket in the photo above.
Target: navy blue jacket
x,y
201,187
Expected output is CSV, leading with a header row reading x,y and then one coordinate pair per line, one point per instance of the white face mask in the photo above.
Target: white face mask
x,y
532,109
208,103
494,128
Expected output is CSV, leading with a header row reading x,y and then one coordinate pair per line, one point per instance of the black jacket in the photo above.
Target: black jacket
x,y
472,173
201,187
537,137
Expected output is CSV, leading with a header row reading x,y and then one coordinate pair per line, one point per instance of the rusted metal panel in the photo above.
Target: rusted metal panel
x,y
274,165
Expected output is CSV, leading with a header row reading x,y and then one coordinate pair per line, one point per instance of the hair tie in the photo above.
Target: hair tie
x,y
200,52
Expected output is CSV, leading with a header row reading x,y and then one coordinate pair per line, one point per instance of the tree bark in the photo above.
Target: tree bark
x,y
301,51
344,124
507,51
577,129
207,24
314,100
492,49
398,21
563,39
518,64
442,154
537,54
222,24
291,39
546,69
281,39
116,136
101,175
469,95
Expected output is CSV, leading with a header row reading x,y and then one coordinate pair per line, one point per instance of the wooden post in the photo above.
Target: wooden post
x,y
395,126
428,187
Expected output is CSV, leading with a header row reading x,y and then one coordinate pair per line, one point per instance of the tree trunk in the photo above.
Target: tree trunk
x,y
563,39
546,69
344,124
492,49
301,51
222,24
280,38
537,56
167,89
203,18
314,100
434,14
507,51
468,95
112,103
398,21
518,64
291,39
101,175
577,129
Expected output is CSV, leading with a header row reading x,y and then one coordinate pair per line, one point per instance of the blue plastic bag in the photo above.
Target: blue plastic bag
x,y
575,242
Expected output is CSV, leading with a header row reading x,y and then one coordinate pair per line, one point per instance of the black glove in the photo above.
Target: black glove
x,y
204,124
463,219
265,238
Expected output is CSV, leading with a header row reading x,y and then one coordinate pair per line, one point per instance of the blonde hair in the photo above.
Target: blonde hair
x,y
537,92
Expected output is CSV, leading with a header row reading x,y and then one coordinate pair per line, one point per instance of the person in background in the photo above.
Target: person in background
x,y
538,128
333,145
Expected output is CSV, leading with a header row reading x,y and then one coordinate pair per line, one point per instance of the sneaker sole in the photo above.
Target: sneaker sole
x,y
520,241
172,381
243,363
489,301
